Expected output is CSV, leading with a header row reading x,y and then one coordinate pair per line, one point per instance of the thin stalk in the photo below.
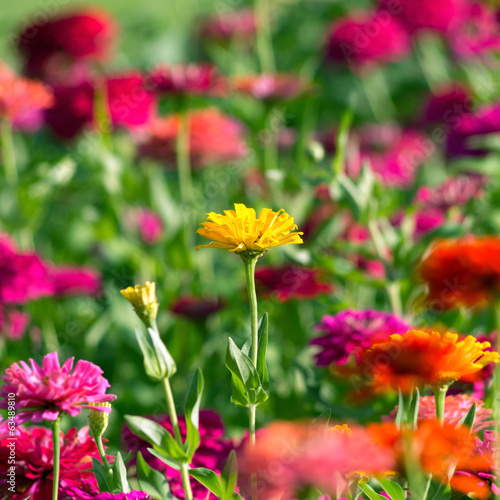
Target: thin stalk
x,y
56,440
264,38
102,453
8,151
439,396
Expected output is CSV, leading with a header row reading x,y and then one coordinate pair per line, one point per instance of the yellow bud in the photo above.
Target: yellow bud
x,y
98,420
143,299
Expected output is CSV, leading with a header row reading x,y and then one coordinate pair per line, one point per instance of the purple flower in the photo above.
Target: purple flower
x,y
47,391
348,331
212,453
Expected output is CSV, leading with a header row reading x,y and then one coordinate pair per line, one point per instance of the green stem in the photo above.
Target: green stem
x,y
102,453
8,151
250,264
427,487
264,38
56,440
440,396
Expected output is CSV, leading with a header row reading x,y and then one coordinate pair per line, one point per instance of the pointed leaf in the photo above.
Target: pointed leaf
x,y
160,455
370,492
146,429
413,409
400,415
261,353
209,479
191,412
153,482
229,476
468,420
103,477
393,489
120,482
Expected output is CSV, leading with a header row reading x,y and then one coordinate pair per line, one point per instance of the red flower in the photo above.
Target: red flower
x,y
366,39
213,138
185,79
35,462
291,282
84,35
271,87
196,308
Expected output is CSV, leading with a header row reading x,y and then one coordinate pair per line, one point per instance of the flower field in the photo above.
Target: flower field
x,y
250,250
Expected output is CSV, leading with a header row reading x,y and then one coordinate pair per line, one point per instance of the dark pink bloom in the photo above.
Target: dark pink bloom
x,y
479,33
291,282
456,407
425,220
271,87
45,392
214,138
447,105
212,453
196,308
148,224
23,276
133,495
35,462
417,15
366,39
85,35
186,79
347,332
75,281
13,323
239,24
455,191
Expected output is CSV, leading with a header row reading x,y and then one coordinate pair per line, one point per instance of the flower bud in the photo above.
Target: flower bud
x,y
143,299
98,419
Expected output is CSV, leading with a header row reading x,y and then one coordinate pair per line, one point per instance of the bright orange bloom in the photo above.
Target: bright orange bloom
x,y
441,450
463,272
418,357
19,96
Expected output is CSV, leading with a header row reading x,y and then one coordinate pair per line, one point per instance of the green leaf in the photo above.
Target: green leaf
x,y
342,140
413,409
153,482
468,419
209,479
146,429
120,482
160,455
229,476
351,194
393,489
261,353
400,415
370,492
246,386
191,412
151,365
103,477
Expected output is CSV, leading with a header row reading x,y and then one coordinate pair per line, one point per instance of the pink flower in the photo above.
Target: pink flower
x,y
186,79
23,276
47,391
271,87
447,104
196,308
13,323
456,407
479,33
425,220
34,465
75,281
239,24
83,35
365,39
417,15
148,224
212,453
133,495
291,282
214,138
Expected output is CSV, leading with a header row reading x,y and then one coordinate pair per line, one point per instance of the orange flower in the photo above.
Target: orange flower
x,y
418,357
19,96
462,273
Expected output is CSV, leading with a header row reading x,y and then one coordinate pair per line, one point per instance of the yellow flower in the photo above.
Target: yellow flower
x,y
242,232
143,298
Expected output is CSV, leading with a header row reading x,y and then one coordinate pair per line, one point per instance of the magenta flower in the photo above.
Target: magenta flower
x,y
456,407
13,323
425,220
447,105
366,39
45,392
196,308
347,332
478,34
186,79
271,87
291,282
148,224
75,281
237,24
133,495
212,453
34,465
441,16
